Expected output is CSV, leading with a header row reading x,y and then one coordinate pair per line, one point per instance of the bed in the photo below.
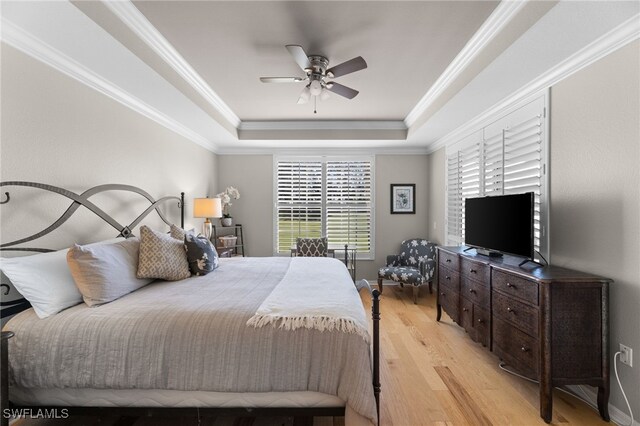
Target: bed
x,y
199,346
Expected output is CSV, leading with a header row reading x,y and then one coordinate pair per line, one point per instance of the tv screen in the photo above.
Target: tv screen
x,y
501,223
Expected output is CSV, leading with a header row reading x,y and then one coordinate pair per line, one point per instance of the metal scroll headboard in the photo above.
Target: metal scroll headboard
x,y
12,307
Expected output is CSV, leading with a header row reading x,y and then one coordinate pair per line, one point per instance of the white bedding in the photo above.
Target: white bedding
x,y
191,336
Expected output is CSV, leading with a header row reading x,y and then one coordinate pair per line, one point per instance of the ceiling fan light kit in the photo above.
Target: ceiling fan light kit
x,y
315,68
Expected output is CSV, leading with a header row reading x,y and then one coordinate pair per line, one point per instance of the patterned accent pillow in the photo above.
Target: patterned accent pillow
x,y
202,256
179,233
161,256
311,247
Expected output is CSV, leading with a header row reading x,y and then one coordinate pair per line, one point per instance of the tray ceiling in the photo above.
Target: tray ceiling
x,y
407,46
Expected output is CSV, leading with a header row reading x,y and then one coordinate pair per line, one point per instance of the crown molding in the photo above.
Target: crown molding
x,y
20,39
618,37
320,151
323,125
501,16
134,19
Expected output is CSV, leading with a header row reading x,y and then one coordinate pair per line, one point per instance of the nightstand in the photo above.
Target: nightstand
x,y
224,231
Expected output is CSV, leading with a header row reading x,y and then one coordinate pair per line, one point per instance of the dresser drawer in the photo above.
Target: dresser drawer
x,y
447,259
515,286
449,301
466,315
482,325
476,292
476,270
521,315
515,347
448,278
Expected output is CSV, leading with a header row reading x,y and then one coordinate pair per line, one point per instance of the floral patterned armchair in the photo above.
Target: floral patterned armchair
x,y
415,265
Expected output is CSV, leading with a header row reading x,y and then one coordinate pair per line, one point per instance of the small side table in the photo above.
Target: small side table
x,y
4,375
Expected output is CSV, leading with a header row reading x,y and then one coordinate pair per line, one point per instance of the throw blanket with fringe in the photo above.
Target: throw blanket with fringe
x,y
328,302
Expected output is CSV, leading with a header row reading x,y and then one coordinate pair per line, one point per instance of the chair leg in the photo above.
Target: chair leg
x,y
431,287
416,290
380,285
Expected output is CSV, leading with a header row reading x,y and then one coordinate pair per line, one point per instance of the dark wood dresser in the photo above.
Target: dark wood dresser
x,y
547,323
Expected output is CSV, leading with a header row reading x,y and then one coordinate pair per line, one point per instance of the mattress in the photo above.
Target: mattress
x,y
190,337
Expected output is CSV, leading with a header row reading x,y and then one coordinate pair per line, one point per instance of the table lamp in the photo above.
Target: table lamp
x,y
206,208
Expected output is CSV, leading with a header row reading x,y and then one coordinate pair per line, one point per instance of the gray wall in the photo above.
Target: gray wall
x,y
595,191
437,185
253,176
58,131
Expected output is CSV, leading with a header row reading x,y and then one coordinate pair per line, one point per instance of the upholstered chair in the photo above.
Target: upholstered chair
x,y
312,247
415,265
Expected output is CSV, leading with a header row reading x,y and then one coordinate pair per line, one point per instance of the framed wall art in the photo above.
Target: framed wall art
x,y
403,198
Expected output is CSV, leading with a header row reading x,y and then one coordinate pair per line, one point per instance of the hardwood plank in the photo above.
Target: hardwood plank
x,y
469,407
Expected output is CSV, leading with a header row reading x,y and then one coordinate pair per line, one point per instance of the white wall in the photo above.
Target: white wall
x,y
253,176
58,131
595,191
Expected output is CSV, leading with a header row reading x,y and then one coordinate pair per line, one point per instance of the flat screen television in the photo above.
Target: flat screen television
x,y
500,224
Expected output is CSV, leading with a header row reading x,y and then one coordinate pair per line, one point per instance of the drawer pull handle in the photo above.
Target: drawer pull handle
x,y
473,271
471,290
465,310
511,310
447,278
524,349
480,321
448,260
511,286
442,294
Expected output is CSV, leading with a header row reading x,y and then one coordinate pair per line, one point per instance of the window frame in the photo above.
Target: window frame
x,y
540,101
324,159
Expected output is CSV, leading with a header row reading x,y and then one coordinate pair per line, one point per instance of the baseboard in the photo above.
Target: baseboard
x,y
618,416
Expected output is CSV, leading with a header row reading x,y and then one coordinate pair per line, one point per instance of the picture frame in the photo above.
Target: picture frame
x,y
403,198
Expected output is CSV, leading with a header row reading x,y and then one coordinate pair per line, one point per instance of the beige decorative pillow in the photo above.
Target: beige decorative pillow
x,y
105,272
179,233
161,256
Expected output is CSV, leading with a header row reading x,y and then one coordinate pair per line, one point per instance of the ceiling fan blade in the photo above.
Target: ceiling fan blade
x,y
341,90
352,65
281,79
299,55
304,96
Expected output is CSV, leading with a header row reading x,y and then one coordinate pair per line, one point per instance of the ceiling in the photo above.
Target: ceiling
x,y
232,44
436,68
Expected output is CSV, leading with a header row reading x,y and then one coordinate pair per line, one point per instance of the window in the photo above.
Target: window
x,y
507,156
324,196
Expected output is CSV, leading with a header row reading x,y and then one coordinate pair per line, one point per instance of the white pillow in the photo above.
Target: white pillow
x,y
44,280
105,272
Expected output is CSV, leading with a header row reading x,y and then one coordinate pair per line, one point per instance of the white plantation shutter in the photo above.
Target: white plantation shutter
x,y
469,176
348,203
510,159
325,197
523,165
299,202
454,198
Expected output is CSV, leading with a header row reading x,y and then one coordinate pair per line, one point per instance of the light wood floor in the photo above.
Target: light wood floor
x,y
432,374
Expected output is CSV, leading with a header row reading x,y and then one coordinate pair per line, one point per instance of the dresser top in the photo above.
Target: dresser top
x,y
529,270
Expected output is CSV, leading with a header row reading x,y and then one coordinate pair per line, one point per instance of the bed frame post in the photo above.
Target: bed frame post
x,y
375,314
182,210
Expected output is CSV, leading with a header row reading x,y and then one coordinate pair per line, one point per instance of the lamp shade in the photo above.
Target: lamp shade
x,y
207,207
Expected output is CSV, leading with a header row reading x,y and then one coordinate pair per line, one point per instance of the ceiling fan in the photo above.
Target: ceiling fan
x,y
317,73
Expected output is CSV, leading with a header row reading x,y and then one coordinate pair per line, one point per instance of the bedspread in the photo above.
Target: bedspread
x,y
192,335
